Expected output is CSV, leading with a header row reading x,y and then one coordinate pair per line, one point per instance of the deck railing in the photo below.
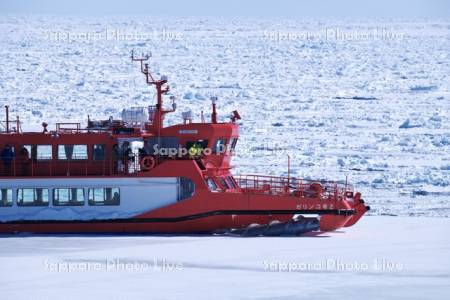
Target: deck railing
x,y
260,184
16,167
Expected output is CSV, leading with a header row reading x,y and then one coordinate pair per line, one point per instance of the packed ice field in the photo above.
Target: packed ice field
x,y
366,100
378,258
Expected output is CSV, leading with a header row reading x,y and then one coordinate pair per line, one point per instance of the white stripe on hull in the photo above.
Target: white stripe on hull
x,y
137,195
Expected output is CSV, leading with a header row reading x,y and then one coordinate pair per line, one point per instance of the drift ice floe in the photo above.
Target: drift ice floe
x,y
135,175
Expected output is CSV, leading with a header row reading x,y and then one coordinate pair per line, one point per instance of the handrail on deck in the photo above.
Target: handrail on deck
x,y
18,167
61,127
263,184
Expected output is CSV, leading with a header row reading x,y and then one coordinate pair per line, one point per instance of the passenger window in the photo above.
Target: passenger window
x,y
24,153
72,152
32,197
231,182
186,188
98,152
31,150
104,196
233,143
223,183
211,184
5,197
220,146
42,152
68,197
201,143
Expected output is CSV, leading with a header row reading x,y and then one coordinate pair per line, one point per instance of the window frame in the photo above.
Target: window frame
x,y
223,183
70,202
185,182
233,142
203,143
32,204
42,159
211,180
92,202
93,151
215,146
230,180
85,157
9,197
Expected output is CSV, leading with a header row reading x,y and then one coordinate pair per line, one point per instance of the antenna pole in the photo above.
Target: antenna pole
x,y
161,89
289,169
7,118
214,110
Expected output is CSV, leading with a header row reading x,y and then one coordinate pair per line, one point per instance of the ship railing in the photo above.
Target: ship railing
x,y
17,167
59,128
262,184
67,130
14,126
68,127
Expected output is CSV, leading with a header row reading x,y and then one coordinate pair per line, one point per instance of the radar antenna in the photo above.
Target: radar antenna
x,y
157,112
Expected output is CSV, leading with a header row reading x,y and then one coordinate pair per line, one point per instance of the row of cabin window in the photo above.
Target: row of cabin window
x,y
80,152
65,152
225,183
61,197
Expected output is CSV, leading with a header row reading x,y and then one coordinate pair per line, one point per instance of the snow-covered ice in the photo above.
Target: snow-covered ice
x,y
373,107
379,258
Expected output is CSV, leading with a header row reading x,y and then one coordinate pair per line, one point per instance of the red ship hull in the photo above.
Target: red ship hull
x,y
208,212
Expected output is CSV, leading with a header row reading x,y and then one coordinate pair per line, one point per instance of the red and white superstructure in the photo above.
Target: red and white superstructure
x,y
136,175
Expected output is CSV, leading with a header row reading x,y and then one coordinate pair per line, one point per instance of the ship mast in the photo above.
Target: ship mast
x,y
161,89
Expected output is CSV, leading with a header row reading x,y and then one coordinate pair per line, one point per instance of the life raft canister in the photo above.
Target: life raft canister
x,y
147,163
